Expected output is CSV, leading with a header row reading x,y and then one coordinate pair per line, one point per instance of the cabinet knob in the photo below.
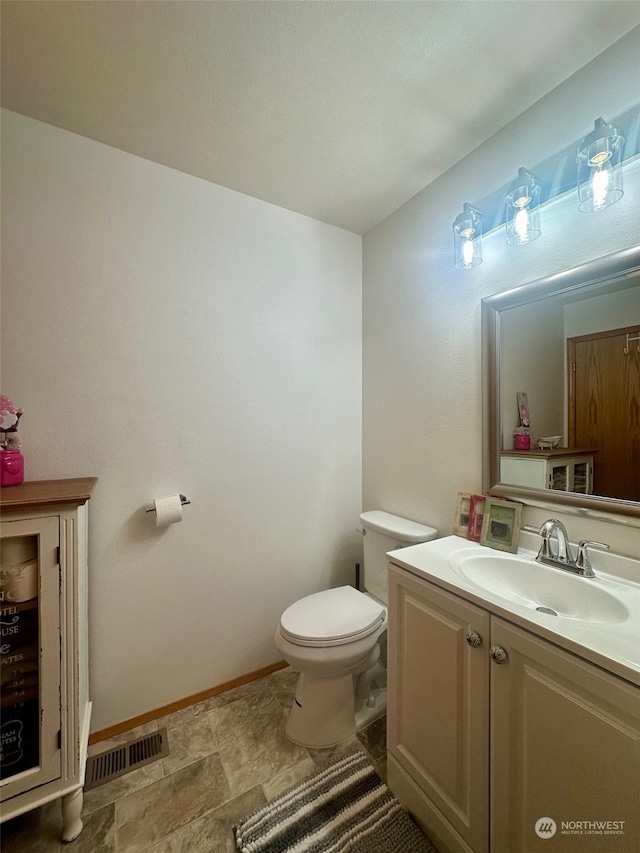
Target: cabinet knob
x,y
473,638
498,654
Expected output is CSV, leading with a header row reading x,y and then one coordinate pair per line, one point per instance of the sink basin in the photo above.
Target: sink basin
x,y
519,579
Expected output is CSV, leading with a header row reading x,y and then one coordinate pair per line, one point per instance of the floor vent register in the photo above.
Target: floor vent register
x,y
125,757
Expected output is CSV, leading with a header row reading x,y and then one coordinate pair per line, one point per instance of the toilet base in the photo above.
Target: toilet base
x,y
323,711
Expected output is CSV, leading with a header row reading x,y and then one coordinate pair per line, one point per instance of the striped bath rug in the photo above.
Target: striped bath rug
x,y
343,808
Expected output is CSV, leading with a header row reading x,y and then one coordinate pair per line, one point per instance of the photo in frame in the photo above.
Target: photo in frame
x,y
476,515
501,524
523,409
461,518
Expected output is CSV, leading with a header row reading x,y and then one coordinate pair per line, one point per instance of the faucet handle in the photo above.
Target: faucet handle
x,y
582,560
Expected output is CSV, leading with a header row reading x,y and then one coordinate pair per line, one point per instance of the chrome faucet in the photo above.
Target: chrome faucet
x,y
551,527
560,557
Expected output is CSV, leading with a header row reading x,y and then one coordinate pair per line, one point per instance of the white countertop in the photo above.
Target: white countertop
x,y
614,646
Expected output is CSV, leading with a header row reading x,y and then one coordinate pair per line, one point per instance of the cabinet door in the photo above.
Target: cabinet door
x,y
519,471
581,475
30,659
437,721
565,745
559,475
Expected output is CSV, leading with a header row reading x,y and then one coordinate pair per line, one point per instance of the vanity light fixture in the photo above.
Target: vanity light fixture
x,y
467,238
600,168
522,203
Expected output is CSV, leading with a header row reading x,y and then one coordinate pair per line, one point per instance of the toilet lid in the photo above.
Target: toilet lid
x,y
332,617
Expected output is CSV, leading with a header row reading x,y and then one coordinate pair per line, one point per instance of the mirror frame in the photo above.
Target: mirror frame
x,y
606,268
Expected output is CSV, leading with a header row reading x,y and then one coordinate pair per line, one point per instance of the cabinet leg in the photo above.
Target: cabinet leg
x,y
71,809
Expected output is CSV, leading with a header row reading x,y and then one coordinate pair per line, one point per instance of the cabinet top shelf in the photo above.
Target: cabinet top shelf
x,y
39,494
551,453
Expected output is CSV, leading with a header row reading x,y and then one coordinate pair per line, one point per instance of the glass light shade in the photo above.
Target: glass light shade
x,y
467,238
600,168
522,204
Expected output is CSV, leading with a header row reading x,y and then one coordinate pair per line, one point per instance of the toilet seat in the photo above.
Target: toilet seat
x,y
332,617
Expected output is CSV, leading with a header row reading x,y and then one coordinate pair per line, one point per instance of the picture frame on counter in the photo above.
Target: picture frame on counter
x,y
476,517
461,517
501,524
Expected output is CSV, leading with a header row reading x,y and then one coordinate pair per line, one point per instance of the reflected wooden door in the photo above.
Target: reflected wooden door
x,y
604,407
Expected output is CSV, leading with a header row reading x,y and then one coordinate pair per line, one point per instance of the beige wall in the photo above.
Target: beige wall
x,y
533,363
422,435
169,335
602,313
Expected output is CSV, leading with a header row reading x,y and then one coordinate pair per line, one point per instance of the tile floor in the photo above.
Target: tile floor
x,y
228,756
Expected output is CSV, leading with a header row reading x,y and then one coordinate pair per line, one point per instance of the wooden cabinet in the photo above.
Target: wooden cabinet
x,y
479,750
45,707
563,469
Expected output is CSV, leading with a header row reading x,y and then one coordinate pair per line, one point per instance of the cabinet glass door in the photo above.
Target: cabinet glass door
x,y
581,478
559,477
20,703
29,616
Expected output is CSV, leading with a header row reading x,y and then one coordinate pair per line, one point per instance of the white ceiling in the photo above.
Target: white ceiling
x,y
338,110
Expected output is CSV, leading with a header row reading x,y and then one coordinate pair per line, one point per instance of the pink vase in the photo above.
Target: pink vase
x,y
11,468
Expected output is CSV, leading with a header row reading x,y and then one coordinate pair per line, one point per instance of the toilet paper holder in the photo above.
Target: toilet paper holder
x,y
183,500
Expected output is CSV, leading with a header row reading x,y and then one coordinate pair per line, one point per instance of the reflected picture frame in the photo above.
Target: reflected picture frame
x,y
461,517
501,524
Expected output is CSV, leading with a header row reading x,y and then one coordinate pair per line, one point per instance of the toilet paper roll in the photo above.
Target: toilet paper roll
x,y
168,510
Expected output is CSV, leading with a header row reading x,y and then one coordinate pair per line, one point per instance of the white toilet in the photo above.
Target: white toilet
x,y
332,639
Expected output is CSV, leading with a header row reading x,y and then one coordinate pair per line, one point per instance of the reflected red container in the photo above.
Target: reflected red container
x,y
521,441
11,468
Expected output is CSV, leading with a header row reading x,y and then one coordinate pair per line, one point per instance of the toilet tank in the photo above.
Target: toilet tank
x,y
385,532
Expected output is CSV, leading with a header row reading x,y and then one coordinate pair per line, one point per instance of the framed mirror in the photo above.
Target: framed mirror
x,y
569,346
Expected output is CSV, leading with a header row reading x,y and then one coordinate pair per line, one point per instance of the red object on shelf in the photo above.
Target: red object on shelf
x,y
11,468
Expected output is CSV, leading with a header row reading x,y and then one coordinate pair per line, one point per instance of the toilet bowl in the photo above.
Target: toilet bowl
x,y
332,638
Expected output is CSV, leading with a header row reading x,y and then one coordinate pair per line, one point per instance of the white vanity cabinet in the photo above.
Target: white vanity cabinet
x,y
565,744
438,709
45,707
563,469
481,747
